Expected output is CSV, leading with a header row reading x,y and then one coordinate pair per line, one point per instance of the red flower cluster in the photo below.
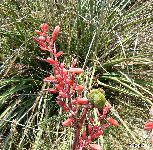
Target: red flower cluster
x,y
69,96
63,80
94,131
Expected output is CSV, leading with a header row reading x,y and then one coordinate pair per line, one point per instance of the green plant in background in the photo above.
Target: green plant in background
x,y
113,42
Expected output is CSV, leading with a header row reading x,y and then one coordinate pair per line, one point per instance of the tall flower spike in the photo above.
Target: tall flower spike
x,y
68,93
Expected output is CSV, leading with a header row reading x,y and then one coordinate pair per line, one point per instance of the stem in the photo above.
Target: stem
x,y
78,128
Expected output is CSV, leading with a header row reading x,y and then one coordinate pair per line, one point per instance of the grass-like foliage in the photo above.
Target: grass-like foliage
x,y
112,40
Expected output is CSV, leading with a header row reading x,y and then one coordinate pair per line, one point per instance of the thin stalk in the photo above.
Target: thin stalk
x,y
77,132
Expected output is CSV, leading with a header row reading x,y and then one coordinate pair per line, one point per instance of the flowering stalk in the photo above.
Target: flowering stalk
x,y
78,109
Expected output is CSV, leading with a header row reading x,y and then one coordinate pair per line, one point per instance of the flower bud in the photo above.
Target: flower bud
x,y
62,94
51,61
82,101
50,90
67,122
44,27
38,32
79,88
42,38
112,121
55,32
74,102
148,126
58,54
49,79
75,70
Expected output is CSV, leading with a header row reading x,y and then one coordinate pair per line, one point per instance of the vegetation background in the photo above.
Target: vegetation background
x,y
113,42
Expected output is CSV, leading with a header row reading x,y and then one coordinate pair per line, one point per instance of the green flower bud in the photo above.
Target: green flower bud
x,y
97,97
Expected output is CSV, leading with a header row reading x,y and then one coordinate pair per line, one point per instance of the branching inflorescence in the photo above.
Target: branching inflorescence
x,y
80,110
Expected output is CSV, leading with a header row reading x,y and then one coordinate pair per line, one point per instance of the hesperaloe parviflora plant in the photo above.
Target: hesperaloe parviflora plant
x,y
79,110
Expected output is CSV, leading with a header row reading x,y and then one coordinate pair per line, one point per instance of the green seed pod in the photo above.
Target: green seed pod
x,y
97,97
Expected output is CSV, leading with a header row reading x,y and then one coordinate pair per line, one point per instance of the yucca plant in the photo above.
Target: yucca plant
x,y
112,41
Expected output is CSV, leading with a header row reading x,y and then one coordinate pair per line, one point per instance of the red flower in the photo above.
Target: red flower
x,y
79,88
42,38
67,122
43,48
51,61
73,102
38,32
82,101
75,70
68,81
95,147
63,105
148,126
58,54
62,94
100,132
44,27
55,32
50,90
49,79
106,109
112,121
104,126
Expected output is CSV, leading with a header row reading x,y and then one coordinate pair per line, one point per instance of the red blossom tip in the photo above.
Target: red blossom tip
x,y
51,61
73,102
42,39
55,32
44,27
112,121
62,94
58,54
79,88
67,122
50,90
75,70
38,32
82,101
104,126
49,79
43,48
148,126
